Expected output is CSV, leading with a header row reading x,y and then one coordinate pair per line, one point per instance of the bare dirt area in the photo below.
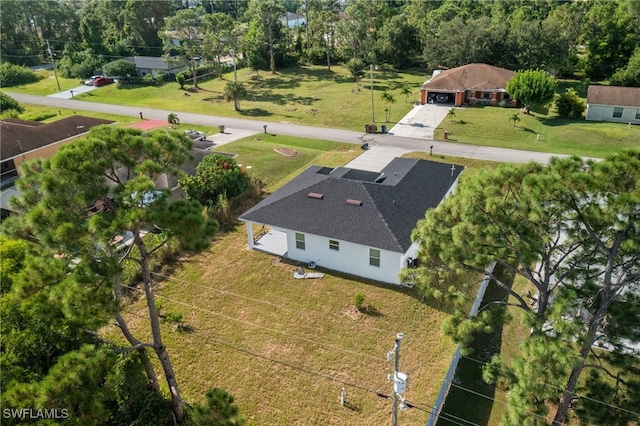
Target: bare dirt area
x,y
287,152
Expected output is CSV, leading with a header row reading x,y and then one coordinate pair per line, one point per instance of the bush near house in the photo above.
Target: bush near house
x,y
569,105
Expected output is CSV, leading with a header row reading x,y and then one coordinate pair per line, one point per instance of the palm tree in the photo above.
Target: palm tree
x,y
173,119
406,92
515,119
234,91
451,114
388,99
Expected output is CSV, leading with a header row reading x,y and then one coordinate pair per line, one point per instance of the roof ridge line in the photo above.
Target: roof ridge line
x,y
378,212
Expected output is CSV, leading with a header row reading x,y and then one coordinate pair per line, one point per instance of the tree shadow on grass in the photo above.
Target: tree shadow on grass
x,y
284,99
371,311
278,83
255,112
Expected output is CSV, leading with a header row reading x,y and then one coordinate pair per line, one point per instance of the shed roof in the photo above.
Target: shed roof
x,y
470,76
614,95
392,203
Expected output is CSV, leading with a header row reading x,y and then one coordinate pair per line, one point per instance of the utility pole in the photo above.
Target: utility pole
x,y
399,379
233,59
53,61
373,119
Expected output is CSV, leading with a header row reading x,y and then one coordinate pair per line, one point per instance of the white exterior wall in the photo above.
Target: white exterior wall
x,y
605,113
351,258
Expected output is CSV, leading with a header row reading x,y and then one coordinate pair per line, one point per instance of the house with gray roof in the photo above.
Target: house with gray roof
x,y
152,65
348,220
613,103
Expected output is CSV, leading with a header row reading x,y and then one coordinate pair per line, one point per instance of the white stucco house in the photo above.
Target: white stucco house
x,y
353,221
613,103
151,65
293,20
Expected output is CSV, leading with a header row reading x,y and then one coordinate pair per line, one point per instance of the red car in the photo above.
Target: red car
x,y
102,81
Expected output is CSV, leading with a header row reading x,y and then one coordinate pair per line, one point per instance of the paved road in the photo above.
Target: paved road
x,y
337,135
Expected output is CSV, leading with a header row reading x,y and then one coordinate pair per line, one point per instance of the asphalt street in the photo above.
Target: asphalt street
x,y
337,135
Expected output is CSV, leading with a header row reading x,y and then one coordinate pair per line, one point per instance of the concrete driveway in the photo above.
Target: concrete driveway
x,y
376,158
421,121
68,94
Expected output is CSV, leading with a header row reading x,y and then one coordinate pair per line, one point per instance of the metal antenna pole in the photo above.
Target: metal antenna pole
x,y
396,363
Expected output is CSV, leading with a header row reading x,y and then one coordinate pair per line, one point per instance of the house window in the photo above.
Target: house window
x,y
334,245
486,95
300,241
638,114
374,257
617,112
8,170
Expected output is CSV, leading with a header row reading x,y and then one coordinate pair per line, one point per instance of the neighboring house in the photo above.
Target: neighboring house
x,y
293,20
472,83
146,65
354,221
613,103
25,140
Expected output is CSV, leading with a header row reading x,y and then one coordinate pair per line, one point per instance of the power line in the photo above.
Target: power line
x,y
288,363
279,305
284,333
495,400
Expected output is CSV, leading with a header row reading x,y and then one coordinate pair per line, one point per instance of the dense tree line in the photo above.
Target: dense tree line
x,y
595,39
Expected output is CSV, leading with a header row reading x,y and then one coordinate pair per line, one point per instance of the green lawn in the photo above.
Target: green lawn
x,y
491,126
47,84
275,169
304,95
311,95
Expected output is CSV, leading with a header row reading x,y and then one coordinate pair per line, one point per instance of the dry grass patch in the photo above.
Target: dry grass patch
x,y
285,347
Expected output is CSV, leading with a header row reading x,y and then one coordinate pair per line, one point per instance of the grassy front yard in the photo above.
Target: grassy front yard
x,y
311,95
274,168
304,95
542,131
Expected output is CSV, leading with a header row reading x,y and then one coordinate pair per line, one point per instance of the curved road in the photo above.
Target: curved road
x,y
337,135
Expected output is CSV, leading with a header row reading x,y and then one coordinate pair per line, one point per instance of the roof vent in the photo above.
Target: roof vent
x,y
315,195
354,202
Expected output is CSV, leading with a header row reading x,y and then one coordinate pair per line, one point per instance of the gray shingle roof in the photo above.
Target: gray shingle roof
x,y
391,205
613,95
155,63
